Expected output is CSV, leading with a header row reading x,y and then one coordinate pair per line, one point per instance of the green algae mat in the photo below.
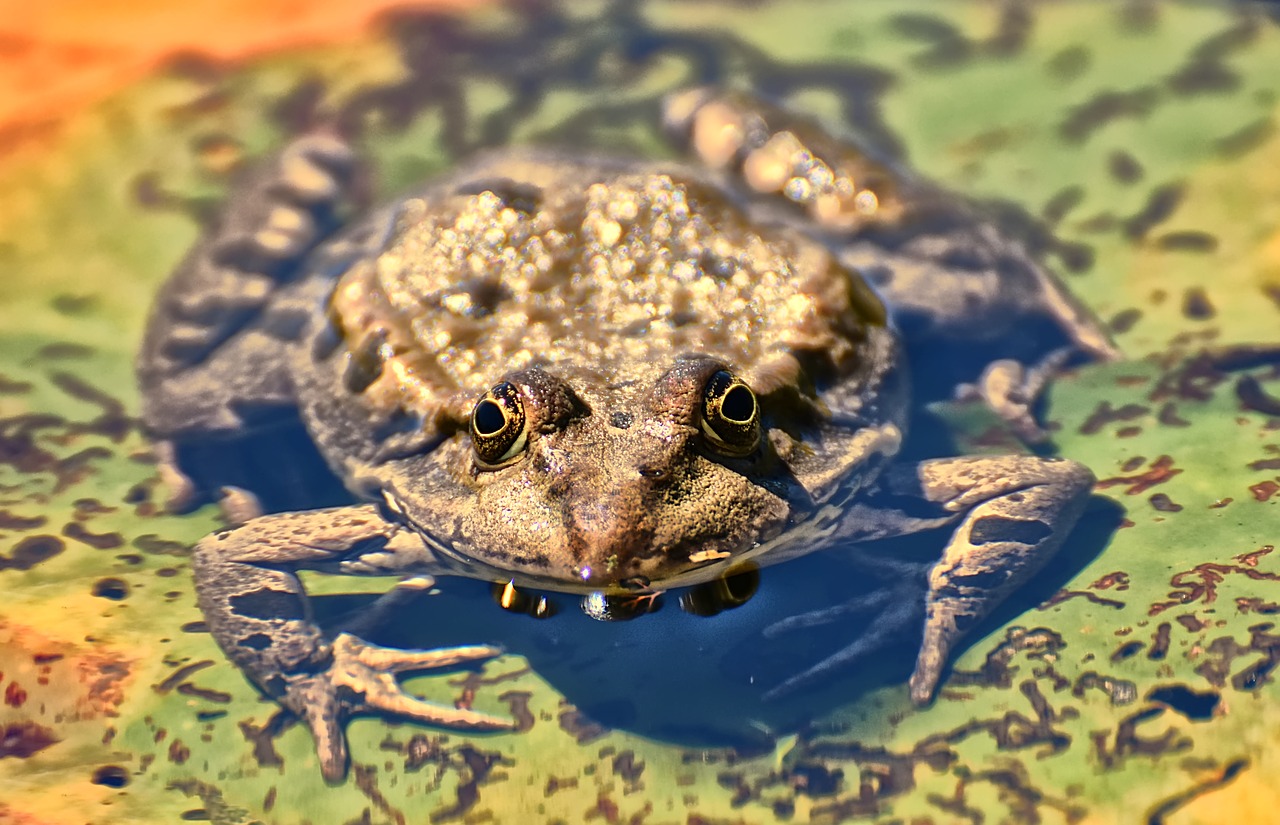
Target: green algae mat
x,y
1136,145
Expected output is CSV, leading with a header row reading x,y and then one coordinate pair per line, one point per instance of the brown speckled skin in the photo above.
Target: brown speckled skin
x,y
606,297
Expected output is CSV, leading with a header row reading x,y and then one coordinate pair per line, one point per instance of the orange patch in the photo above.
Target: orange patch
x,y
47,678
58,57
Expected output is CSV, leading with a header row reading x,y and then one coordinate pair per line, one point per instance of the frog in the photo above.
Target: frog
x,y
602,376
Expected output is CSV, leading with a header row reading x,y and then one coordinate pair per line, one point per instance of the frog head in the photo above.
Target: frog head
x,y
665,475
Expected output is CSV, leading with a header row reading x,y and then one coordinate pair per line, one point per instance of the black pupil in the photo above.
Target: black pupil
x,y
489,418
738,404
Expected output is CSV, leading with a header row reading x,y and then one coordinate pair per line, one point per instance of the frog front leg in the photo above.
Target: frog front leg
x,y
1011,515
257,610
1017,510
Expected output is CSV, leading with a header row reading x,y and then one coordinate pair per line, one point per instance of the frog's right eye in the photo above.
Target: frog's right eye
x,y
499,429
730,415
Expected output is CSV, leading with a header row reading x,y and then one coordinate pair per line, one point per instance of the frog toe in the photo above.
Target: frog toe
x,y
385,695
395,660
928,674
1012,390
893,613
366,673
829,615
321,709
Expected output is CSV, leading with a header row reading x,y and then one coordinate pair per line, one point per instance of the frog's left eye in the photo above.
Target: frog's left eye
x,y
730,415
499,430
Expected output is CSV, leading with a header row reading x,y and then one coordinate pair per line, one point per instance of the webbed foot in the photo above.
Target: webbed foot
x,y
1011,389
889,608
257,610
362,679
890,614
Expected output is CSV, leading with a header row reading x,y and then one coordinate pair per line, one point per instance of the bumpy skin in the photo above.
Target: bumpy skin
x,y
592,375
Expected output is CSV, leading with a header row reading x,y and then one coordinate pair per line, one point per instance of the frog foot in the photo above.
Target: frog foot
x,y
1012,389
362,679
893,613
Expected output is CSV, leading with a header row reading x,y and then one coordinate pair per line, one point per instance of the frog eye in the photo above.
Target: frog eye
x,y
730,414
499,430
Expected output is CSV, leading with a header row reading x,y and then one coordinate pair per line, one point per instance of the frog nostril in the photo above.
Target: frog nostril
x,y
653,473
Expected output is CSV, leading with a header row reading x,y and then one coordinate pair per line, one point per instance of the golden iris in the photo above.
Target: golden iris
x,y
499,430
730,414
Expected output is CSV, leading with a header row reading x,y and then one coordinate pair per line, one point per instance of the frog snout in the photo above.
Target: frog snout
x,y
609,533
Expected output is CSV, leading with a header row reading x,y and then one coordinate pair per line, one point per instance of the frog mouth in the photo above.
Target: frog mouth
x,y
460,558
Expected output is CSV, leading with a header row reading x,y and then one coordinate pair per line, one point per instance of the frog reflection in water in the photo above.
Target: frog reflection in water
x,y
599,375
